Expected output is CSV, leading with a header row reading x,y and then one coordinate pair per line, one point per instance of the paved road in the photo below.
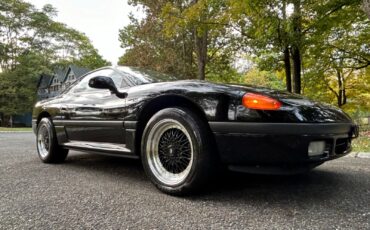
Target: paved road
x,y
91,191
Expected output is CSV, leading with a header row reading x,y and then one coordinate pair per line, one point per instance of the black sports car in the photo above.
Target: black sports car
x,y
183,130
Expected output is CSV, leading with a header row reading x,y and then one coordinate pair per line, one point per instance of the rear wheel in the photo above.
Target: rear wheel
x,y
176,151
47,145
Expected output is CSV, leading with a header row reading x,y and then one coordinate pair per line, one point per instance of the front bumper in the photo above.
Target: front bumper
x,y
247,143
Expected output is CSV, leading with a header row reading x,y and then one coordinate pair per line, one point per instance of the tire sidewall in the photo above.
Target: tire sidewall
x,y
47,123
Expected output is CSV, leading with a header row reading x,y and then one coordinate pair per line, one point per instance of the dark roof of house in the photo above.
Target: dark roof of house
x,y
44,81
78,71
60,73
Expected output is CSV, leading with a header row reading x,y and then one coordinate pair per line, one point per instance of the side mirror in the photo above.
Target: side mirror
x,y
101,82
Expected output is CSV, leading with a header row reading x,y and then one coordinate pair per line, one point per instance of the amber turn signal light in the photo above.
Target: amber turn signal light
x,y
261,102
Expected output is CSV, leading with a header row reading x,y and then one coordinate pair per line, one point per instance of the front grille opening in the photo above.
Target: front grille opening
x,y
328,148
341,145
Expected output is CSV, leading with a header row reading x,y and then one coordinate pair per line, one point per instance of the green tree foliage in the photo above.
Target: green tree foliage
x,y
205,22
338,56
18,87
146,46
264,78
187,38
276,34
31,42
265,31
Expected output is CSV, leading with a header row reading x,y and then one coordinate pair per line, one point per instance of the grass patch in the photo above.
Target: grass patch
x,y
15,129
362,143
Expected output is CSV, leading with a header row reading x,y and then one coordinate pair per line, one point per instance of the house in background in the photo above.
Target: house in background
x,y
43,86
55,86
52,85
72,74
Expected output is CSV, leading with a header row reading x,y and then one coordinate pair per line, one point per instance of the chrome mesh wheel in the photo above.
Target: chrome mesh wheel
x,y
43,141
170,152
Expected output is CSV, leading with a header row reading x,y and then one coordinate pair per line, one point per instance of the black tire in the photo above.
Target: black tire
x,y
48,148
159,147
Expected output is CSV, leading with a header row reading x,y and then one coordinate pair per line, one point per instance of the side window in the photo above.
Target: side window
x,y
83,85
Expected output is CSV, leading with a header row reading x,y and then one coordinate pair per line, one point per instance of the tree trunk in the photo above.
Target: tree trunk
x,y
296,52
201,45
296,56
185,55
288,75
342,97
287,66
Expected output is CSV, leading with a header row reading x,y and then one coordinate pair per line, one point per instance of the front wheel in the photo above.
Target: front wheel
x,y
47,145
177,151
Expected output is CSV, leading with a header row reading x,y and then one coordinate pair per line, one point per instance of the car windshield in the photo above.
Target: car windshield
x,y
139,76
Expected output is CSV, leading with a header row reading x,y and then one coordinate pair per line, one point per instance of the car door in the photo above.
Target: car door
x,y
95,115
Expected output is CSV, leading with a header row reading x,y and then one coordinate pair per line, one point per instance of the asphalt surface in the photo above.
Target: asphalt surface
x,y
92,191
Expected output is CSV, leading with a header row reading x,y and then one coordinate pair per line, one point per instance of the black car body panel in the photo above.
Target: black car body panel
x,y
100,121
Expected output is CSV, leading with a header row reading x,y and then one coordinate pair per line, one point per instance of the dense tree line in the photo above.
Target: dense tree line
x,y
318,48
32,42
